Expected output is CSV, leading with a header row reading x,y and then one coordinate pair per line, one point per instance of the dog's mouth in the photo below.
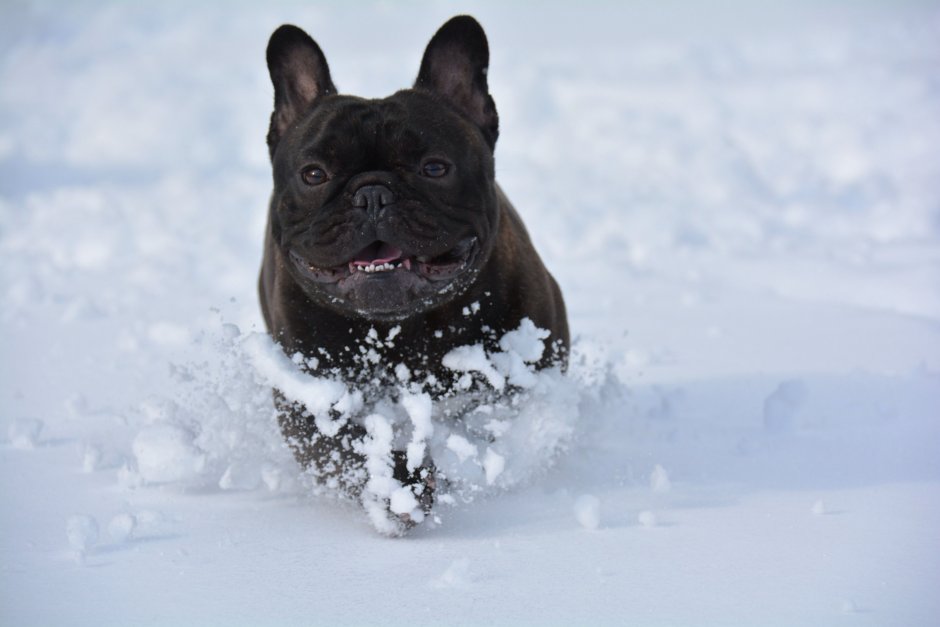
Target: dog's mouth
x,y
383,259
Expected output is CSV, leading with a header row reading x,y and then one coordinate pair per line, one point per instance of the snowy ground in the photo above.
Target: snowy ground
x,y
742,208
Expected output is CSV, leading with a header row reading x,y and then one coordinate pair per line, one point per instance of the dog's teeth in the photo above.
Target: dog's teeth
x,y
382,267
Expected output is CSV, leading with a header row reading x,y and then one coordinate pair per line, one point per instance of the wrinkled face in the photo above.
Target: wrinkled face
x,y
383,208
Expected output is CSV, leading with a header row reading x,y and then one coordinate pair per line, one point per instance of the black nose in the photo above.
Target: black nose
x,y
373,198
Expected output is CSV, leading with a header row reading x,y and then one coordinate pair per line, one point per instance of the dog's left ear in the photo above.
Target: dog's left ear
x,y
300,75
454,68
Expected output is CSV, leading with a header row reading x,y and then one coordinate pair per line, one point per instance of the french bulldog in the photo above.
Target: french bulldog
x,y
386,222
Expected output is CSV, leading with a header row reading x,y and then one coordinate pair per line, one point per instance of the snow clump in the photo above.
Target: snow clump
x,y
167,453
91,458
82,532
24,433
587,511
647,519
121,527
659,480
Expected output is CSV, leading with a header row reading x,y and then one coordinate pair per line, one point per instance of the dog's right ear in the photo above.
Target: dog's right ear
x,y
300,75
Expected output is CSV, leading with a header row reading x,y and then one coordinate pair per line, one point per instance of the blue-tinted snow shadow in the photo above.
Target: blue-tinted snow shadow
x,y
717,441
815,431
134,542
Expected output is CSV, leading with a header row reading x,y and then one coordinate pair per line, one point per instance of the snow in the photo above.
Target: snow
x,y
121,527
461,447
659,479
402,501
82,532
493,466
739,203
521,348
587,511
456,575
24,433
166,453
646,518
418,407
317,394
377,449
474,359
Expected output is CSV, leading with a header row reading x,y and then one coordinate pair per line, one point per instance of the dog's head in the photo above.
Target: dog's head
x,y
384,208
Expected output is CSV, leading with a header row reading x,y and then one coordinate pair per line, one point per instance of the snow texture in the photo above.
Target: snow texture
x,y
739,201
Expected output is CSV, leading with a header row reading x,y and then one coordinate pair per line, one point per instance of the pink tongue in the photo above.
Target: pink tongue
x,y
386,253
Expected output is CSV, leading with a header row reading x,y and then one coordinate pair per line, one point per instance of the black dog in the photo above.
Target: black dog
x,y
386,221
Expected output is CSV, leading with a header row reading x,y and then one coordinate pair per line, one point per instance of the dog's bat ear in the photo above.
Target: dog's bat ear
x,y
300,75
454,68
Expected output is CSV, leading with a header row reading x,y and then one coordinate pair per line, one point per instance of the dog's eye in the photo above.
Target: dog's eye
x,y
313,176
434,169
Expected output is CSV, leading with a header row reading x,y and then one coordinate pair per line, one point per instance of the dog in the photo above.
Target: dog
x,y
386,222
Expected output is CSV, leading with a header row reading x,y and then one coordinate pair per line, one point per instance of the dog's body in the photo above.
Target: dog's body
x,y
387,229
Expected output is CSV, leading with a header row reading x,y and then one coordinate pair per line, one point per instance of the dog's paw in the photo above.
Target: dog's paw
x,y
407,504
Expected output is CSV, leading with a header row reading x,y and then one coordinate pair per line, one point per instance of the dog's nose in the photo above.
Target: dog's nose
x,y
373,198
